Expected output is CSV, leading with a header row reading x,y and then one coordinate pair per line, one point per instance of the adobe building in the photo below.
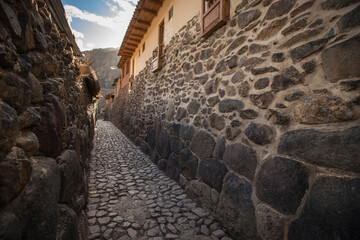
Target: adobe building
x,y
253,107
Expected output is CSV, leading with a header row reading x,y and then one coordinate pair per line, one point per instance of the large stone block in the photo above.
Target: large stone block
x,y
15,91
28,141
151,137
212,172
72,180
186,132
49,130
67,223
337,4
269,223
349,20
236,209
202,144
8,128
301,52
172,168
245,18
188,163
15,172
200,191
241,159
348,53
260,133
229,105
176,144
10,18
338,149
331,211
217,122
38,202
163,144
282,183
320,109
263,100
29,118
279,8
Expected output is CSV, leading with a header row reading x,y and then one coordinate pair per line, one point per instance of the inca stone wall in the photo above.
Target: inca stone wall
x,y
46,127
260,122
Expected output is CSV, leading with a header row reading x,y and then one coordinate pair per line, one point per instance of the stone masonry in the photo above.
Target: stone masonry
x,y
46,127
260,121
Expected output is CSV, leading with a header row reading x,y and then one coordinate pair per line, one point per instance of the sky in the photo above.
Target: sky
x,y
99,23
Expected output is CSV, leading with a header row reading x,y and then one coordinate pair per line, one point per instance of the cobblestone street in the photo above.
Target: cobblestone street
x,y
130,198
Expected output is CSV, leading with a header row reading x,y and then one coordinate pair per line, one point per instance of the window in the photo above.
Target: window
x,y
128,67
143,47
215,13
171,13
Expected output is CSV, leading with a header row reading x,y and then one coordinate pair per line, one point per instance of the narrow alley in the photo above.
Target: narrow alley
x,y
130,198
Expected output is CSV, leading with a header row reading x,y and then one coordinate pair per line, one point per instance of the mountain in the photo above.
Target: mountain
x,y
104,61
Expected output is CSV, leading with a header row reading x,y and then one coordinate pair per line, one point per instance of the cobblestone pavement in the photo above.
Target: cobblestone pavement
x,y
130,198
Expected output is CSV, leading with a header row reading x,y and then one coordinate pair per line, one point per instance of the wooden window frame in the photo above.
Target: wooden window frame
x,y
158,52
217,14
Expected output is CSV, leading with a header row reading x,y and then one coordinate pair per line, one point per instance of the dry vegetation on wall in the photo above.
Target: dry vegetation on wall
x,y
259,122
46,127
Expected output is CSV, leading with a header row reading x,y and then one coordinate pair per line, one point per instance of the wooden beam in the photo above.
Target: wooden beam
x,y
149,11
131,44
143,22
139,29
157,3
128,53
130,49
136,35
125,53
134,40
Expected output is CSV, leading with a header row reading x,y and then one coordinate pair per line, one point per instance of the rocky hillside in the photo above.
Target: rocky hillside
x,y
104,62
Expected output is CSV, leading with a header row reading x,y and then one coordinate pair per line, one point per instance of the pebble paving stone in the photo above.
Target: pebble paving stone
x,y
130,198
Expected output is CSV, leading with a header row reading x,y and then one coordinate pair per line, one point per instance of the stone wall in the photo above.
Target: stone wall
x,y
260,122
46,127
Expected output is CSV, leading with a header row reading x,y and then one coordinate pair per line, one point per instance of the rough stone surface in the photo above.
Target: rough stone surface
x,y
260,133
163,144
217,122
263,100
337,4
338,149
279,8
212,171
307,49
229,105
269,222
322,109
188,163
347,53
245,18
331,209
282,183
241,159
202,144
235,206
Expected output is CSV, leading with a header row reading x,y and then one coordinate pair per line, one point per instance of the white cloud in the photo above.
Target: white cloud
x,y
112,7
77,34
118,23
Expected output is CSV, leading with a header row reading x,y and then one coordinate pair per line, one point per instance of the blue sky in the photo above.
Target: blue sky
x,y
99,23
